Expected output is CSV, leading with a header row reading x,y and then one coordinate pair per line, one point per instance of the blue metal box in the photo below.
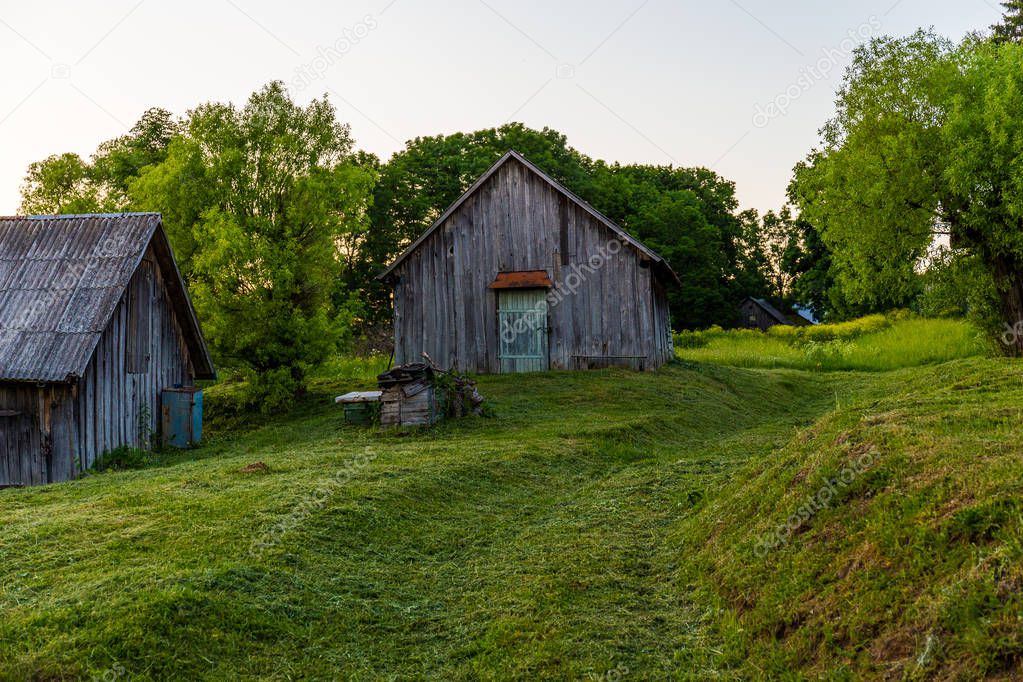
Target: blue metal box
x,y
182,416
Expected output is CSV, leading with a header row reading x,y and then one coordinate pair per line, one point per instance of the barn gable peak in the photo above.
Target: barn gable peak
x,y
513,155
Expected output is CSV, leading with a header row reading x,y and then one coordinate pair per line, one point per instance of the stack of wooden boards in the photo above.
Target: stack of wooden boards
x,y
419,394
409,397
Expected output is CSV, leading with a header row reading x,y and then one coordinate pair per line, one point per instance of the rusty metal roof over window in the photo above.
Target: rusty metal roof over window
x,y
61,278
530,279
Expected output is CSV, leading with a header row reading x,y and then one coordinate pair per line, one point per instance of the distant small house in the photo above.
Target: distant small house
x,y
95,323
804,317
756,313
521,275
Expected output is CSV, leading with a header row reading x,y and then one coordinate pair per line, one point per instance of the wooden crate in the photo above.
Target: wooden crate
x,y
414,404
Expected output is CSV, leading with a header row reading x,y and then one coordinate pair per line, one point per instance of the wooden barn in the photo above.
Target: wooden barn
x,y
756,313
521,275
95,323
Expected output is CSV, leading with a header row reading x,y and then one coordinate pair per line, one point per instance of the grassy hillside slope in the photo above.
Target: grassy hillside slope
x,y
886,540
602,524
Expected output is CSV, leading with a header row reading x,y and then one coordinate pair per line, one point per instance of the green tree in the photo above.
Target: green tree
x,y
117,162
957,284
623,192
260,198
778,235
697,251
59,184
807,261
926,141
1010,29
66,183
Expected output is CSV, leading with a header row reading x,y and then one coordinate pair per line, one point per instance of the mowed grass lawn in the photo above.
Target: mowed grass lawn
x,y
601,524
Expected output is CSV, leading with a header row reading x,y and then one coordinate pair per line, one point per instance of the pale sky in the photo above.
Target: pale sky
x,y
652,81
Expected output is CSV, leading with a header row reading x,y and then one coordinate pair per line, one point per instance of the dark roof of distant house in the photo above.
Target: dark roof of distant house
x,y
659,263
61,279
771,310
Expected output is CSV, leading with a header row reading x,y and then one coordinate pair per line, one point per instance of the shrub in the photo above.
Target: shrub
x,y
832,332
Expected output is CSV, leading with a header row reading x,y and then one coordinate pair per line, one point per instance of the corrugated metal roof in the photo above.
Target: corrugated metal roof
x,y
61,278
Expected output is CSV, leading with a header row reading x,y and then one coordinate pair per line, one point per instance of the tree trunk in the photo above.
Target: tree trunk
x,y
1009,282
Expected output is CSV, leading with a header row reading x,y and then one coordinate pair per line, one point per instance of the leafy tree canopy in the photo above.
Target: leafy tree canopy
x,y
59,184
1010,29
926,141
66,183
256,199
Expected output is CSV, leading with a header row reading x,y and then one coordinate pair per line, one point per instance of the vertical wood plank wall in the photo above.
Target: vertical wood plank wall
x,y
61,429
111,401
516,221
34,431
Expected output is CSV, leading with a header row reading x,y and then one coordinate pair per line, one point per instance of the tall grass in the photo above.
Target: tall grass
x,y
875,343
350,368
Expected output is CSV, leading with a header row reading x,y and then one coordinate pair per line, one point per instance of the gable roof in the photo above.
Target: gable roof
x,y
771,310
600,217
61,279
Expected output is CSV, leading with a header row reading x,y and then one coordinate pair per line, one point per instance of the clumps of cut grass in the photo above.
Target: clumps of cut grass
x,y
527,546
255,468
603,521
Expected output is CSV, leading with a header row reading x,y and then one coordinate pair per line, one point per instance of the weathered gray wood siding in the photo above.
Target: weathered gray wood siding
x,y
752,316
35,433
61,429
516,221
664,343
119,397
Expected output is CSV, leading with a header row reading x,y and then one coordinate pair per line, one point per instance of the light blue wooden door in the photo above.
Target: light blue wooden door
x,y
522,330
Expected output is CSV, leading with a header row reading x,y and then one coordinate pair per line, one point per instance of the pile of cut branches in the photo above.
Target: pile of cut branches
x,y
461,396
